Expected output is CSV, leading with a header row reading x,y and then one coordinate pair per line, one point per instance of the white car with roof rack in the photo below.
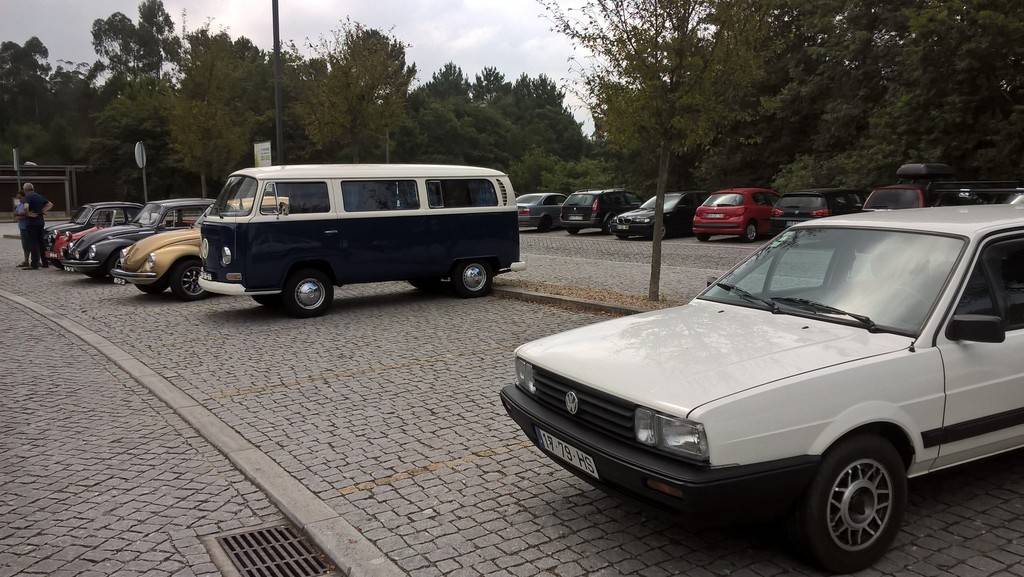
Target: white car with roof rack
x,y
811,381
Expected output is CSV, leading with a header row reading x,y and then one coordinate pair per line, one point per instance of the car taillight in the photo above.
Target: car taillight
x,y
594,208
776,212
820,212
524,212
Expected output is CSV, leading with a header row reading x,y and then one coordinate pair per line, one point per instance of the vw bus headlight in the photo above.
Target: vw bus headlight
x,y
670,434
151,261
225,256
91,253
524,376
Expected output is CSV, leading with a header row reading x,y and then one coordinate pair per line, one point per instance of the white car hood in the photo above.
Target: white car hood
x,y
677,359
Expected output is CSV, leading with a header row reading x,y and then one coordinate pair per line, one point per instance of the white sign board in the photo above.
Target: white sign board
x,y
140,154
261,152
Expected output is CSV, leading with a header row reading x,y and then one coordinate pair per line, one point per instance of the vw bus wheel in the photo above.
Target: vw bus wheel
x,y
184,277
472,279
307,293
268,300
854,506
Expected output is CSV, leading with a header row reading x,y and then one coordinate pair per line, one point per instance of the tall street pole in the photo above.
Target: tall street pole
x,y
277,88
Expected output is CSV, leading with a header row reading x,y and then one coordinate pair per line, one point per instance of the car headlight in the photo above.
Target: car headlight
x,y
524,376
644,220
151,260
670,434
225,256
91,253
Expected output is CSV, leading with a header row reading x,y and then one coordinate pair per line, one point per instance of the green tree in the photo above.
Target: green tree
x,y
211,114
128,49
354,89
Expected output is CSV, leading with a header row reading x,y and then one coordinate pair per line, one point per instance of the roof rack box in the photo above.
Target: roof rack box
x,y
925,170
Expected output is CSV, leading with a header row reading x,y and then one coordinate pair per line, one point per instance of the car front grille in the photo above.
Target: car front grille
x,y
602,412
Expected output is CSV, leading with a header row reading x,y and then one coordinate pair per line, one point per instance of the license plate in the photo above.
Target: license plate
x,y
567,453
69,269
714,215
205,275
575,217
119,280
622,227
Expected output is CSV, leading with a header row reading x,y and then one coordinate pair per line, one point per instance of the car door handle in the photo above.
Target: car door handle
x,y
332,231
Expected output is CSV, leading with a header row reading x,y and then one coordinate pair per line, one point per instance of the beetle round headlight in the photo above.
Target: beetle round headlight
x,y
225,256
151,260
91,253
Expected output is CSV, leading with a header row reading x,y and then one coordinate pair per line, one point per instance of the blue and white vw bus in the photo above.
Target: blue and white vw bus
x,y
286,235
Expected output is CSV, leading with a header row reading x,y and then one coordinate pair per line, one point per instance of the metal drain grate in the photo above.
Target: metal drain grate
x,y
273,552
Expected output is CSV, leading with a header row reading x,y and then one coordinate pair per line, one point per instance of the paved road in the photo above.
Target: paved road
x,y
387,408
97,476
597,261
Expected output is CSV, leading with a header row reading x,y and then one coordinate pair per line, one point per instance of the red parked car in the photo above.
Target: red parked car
x,y
742,212
64,240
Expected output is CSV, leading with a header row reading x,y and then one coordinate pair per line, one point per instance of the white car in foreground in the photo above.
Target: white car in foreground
x,y
812,380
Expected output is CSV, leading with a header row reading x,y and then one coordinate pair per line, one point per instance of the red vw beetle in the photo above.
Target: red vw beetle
x,y
64,240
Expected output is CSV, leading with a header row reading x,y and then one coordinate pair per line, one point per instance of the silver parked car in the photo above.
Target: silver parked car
x,y
540,210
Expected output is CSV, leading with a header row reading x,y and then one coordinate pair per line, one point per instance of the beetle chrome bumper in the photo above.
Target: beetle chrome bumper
x,y
142,278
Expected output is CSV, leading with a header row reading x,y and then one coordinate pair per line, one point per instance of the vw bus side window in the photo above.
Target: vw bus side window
x,y
460,193
295,198
374,195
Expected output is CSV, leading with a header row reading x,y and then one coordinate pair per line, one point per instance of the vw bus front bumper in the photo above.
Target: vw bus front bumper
x,y
231,289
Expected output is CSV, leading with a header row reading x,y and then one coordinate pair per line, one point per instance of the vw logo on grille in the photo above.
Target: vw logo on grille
x,y
572,402
204,249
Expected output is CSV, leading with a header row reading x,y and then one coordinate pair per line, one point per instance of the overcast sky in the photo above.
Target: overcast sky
x,y
512,35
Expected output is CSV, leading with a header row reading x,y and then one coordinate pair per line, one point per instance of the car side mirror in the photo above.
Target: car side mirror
x,y
976,328
710,281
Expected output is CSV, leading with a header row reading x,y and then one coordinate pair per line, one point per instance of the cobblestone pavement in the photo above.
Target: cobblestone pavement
x,y
98,477
593,260
387,408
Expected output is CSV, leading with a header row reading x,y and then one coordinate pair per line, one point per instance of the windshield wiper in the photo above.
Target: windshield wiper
x,y
772,306
864,320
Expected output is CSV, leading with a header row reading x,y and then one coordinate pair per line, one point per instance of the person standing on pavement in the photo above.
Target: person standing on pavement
x,y
20,212
38,206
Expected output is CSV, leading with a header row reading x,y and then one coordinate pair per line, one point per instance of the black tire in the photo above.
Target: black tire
x,y
428,285
750,232
153,289
621,236
545,224
314,287
472,278
104,270
184,280
606,224
703,237
843,464
572,231
272,301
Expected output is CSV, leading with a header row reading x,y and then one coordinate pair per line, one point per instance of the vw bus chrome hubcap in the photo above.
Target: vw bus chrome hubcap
x,y
309,293
474,277
859,505
190,281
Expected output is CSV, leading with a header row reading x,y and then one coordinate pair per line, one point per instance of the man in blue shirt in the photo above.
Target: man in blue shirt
x,y
20,210
38,206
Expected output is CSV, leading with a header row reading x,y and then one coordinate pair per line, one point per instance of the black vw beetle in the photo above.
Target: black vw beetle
x,y
88,216
96,253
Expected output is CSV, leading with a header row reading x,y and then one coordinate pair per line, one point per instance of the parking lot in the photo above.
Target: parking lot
x,y
387,409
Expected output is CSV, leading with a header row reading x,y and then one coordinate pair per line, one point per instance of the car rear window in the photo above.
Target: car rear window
x,y
802,201
724,200
529,199
580,199
894,198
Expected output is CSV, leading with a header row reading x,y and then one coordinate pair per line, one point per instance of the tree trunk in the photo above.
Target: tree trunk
x,y
653,291
202,180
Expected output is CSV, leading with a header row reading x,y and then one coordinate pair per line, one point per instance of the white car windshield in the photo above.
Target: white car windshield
x,y
881,279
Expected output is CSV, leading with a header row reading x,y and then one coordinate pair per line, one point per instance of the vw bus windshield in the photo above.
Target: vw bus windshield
x,y
236,198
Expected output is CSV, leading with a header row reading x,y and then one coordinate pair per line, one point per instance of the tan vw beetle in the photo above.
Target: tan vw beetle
x,y
169,259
